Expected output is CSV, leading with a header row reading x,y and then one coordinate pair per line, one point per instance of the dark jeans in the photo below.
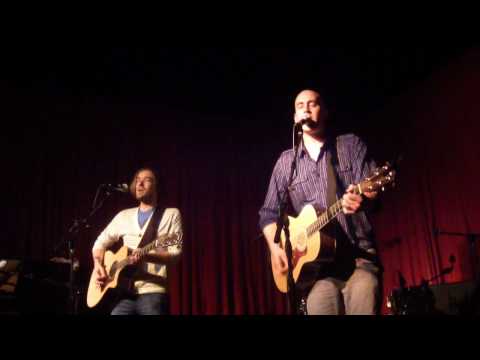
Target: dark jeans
x,y
145,304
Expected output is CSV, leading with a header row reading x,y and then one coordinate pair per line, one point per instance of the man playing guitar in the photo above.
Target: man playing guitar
x,y
327,167
149,293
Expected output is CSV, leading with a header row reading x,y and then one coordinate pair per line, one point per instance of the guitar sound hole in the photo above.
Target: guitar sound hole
x,y
112,270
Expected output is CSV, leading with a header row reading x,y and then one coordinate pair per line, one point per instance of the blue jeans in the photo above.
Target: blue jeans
x,y
145,304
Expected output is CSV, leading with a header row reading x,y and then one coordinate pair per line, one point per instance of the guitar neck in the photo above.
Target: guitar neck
x,y
331,213
146,249
142,251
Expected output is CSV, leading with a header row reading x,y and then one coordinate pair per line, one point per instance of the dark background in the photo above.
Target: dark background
x,y
214,121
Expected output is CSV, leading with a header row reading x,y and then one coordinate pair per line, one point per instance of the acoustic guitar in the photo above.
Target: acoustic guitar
x,y
308,242
115,263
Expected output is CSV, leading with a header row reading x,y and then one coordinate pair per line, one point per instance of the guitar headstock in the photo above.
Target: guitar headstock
x,y
379,180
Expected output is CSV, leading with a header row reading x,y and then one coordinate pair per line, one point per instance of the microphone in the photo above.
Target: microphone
x,y
307,121
120,187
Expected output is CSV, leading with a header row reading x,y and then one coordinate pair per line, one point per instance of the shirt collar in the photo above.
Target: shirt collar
x,y
326,146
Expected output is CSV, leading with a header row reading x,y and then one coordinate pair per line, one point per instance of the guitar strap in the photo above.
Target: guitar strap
x,y
331,156
334,186
334,190
130,273
152,228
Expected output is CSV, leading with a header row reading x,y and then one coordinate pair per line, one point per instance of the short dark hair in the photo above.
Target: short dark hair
x,y
323,104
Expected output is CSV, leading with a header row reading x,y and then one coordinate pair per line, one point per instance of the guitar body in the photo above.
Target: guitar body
x,y
305,248
95,294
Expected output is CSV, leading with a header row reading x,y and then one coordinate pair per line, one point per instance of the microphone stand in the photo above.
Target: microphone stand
x,y
472,238
73,233
283,224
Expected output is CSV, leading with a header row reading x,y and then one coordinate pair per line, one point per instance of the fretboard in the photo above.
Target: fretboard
x,y
327,216
142,252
